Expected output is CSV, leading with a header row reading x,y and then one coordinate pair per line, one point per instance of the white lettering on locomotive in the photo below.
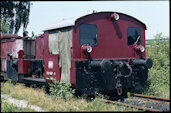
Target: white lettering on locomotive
x,y
50,64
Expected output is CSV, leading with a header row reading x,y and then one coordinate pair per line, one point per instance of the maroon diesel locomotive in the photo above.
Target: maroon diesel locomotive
x,y
98,52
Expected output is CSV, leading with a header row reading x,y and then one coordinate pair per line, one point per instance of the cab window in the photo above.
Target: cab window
x,y
88,34
133,33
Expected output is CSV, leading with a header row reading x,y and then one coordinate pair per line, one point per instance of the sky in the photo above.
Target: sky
x,y
154,14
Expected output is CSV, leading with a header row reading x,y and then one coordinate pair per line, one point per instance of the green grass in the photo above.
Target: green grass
x,y
48,103
6,107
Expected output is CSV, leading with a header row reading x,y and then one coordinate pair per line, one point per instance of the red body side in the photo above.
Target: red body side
x,y
39,46
10,43
23,66
50,73
53,71
14,44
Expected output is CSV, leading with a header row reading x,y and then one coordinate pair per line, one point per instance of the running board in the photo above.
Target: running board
x,y
37,81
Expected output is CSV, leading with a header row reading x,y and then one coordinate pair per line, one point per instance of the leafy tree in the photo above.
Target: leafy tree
x,y
4,27
14,14
33,36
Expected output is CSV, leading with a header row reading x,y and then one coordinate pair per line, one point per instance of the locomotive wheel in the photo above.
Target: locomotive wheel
x,y
114,96
90,97
77,93
27,85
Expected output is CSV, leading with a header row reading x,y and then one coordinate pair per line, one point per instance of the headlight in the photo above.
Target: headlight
x,y
89,49
142,49
116,16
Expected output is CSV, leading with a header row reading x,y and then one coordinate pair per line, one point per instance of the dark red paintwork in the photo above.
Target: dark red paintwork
x,y
22,63
9,36
39,47
10,42
21,54
14,43
23,66
112,36
50,72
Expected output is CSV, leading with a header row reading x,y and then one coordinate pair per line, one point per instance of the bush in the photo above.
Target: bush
x,y
61,90
158,79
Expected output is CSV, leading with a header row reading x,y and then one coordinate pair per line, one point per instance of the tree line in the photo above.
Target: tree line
x,y
14,15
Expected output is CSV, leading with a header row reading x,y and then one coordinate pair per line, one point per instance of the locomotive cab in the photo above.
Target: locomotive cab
x,y
99,52
109,53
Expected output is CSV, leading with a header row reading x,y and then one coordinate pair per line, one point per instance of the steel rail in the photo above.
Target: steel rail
x,y
133,106
150,97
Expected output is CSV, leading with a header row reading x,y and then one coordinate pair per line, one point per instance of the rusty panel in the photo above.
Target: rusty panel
x,y
20,66
29,48
12,46
3,50
3,65
26,66
9,36
51,69
23,66
50,72
39,47
16,47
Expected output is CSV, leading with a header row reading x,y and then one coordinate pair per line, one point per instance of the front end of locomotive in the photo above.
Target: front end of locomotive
x,y
110,54
112,77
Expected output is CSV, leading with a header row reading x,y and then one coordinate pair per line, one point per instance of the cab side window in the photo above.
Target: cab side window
x,y
133,33
88,34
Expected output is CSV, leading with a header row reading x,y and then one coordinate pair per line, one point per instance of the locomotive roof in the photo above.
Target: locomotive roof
x,y
9,36
71,22
62,23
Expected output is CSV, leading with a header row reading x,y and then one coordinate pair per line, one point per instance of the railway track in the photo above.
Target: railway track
x,y
144,102
150,97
